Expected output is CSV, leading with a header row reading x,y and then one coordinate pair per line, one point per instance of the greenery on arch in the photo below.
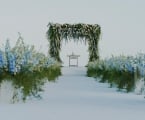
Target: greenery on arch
x,y
85,32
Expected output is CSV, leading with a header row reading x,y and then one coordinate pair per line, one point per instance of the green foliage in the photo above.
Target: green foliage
x,y
31,83
113,74
85,32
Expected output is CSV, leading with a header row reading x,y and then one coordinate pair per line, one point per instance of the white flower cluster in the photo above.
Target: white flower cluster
x,y
22,58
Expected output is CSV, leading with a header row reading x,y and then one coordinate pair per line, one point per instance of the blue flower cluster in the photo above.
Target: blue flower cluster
x,y
11,63
22,58
1,59
127,63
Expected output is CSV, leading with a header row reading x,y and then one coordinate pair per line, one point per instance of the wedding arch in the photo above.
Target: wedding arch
x,y
84,32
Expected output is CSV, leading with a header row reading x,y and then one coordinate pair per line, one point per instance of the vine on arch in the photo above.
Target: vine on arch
x,y
85,32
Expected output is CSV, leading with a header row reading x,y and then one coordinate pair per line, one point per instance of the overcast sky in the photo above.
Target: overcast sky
x,y
122,23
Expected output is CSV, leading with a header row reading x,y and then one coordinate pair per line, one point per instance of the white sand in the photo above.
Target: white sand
x,y
77,97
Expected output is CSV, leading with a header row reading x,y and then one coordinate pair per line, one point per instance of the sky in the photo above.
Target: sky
x,y
122,23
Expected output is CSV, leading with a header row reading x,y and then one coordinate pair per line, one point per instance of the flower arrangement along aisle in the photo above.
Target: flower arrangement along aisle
x,y
26,68
123,71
